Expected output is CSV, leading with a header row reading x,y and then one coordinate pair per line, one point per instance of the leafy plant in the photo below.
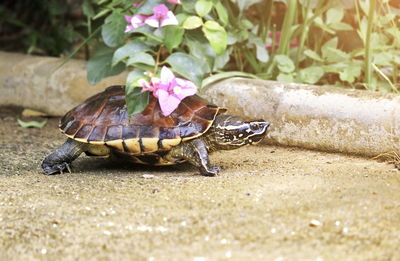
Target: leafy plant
x,y
344,43
42,27
197,46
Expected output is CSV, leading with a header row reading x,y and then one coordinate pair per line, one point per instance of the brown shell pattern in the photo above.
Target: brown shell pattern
x,y
103,119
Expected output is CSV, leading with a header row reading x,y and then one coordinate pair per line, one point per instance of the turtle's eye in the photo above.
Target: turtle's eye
x,y
254,126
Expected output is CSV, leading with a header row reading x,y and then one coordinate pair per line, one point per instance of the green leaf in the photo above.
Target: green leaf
x,y
224,75
383,59
87,9
200,48
112,30
136,100
127,50
334,15
221,60
203,7
134,76
141,57
222,13
350,73
261,52
147,6
332,43
318,21
31,124
311,75
334,55
187,66
103,12
216,35
313,55
189,5
173,36
285,77
149,33
285,64
192,22
99,67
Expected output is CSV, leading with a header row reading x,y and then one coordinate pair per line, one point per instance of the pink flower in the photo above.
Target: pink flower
x,y
169,90
149,87
174,2
137,4
172,91
134,22
161,17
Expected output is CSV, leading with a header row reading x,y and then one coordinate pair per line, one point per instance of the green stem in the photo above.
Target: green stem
x,y
273,43
304,33
75,51
368,49
286,32
157,59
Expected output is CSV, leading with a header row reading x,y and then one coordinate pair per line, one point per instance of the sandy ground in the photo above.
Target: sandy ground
x,y
268,203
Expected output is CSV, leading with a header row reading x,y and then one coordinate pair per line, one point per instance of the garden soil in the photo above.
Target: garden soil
x,y
268,203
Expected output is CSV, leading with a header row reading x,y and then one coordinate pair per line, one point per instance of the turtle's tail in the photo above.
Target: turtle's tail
x,y
61,158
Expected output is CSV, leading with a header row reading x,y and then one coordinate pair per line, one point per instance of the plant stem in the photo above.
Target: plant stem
x,y
157,59
392,86
304,33
75,51
368,49
286,32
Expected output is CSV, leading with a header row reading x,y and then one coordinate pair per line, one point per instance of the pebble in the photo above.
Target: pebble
x,y
315,223
147,176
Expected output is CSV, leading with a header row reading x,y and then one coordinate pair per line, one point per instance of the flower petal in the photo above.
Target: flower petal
x,y
160,9
168,103
128,18
170,19
187,88
145,85
153,21
138,20
167,76
174,2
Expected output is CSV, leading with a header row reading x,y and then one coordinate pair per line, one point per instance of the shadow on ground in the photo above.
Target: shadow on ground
x,y
268,203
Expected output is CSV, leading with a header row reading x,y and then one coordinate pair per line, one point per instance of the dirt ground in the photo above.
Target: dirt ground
x,y
268,203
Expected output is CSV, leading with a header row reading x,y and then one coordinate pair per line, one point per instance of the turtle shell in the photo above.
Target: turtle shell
x,y
103,120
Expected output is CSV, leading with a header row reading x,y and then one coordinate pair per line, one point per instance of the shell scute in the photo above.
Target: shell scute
x,y
103,118
98,133
113,133
72,128
130,132
84,131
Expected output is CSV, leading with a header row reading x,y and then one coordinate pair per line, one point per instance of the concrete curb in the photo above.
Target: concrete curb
x,y
314,117
26,81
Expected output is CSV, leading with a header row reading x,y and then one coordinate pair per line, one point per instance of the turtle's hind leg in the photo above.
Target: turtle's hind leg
x,y
60,159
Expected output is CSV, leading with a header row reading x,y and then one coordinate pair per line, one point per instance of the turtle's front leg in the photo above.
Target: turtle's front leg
x,y
59,160
194,151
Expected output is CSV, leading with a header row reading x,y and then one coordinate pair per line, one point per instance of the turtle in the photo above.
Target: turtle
x,y
101,127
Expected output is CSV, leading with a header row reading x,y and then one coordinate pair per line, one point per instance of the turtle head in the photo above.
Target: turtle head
x,y
232,132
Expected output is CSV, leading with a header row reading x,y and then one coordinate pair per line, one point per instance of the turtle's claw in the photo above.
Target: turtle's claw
x,y
211,171
68,168
56,168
